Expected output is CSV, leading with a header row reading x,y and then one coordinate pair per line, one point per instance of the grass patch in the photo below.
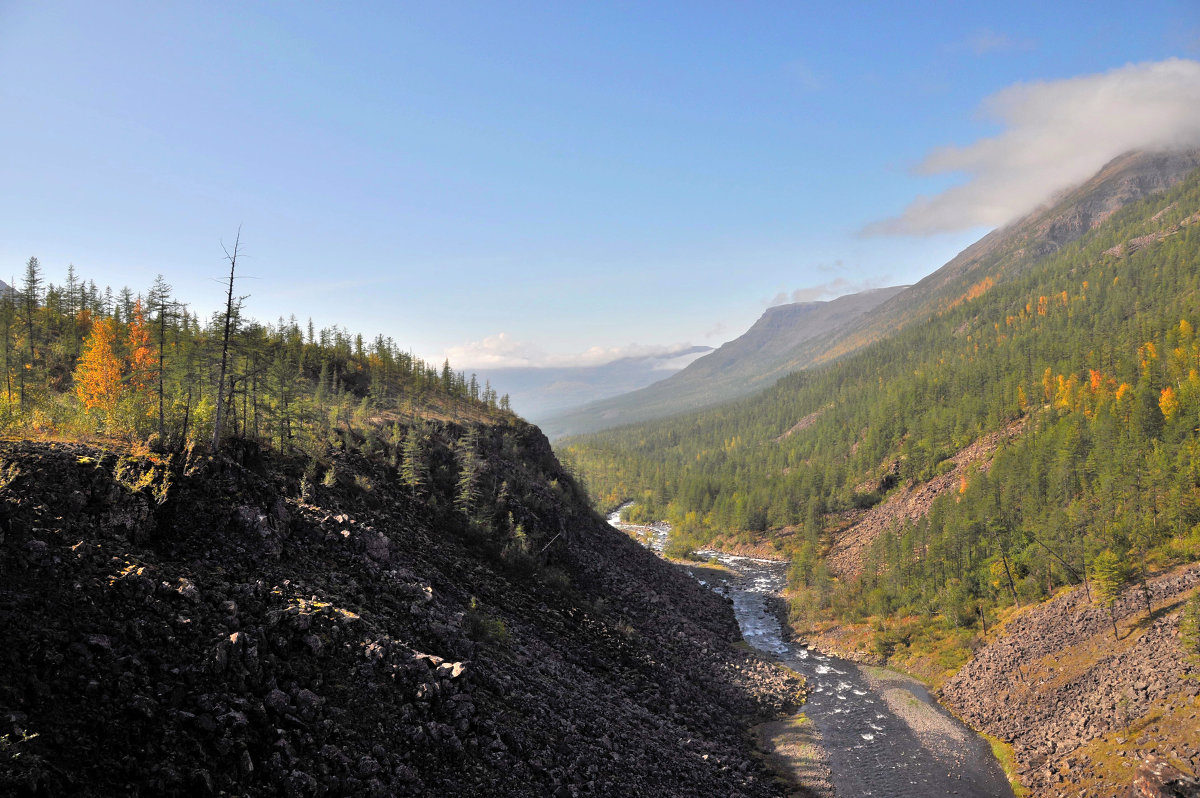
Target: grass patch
x,y
789,671
710,566
1111,759
1007,759
798,721
791,748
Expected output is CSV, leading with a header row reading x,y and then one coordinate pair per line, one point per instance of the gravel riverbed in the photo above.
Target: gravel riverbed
x,y
880,733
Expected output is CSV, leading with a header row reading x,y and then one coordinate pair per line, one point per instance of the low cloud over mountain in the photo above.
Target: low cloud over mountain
x,y
502,351
1056,134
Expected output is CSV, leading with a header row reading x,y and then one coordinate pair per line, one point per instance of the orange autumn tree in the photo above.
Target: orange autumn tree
x,y
98,375
143,370
122,388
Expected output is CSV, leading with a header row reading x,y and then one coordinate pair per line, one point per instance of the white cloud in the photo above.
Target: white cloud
x,y
1057,134
676,361
827,290
503,351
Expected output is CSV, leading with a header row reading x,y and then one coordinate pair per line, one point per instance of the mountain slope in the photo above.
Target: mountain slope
x,y
199,626
740,367
1069,704
1093,346
793,337
1008,252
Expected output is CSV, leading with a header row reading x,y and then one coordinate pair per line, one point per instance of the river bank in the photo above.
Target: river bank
x,y
874,732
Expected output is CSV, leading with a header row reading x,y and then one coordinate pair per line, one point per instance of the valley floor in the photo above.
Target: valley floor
x,y
1077,709
863,731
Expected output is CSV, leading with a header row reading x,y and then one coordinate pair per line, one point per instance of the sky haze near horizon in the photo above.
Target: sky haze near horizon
x,y
537,184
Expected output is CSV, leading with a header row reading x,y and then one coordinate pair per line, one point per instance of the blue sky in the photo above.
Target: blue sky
x,y
536,182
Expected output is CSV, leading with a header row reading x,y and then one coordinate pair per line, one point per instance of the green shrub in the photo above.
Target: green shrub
x,y
679,547
481,627
863,501
556,578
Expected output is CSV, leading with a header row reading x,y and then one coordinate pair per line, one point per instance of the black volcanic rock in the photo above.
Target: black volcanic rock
x,y
192,626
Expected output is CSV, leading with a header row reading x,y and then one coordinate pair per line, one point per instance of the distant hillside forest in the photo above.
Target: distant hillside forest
x,y
81,362
1091,352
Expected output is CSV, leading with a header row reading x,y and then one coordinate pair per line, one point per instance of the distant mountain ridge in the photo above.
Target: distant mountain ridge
x,y
755,361
539,392
749,363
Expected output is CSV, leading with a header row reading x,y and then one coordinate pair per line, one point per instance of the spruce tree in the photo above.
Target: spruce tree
x,y
414,465
30,289
467,455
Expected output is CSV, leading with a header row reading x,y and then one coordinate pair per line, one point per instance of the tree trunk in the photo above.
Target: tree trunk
x,y
1146,588
1011,585
232,257
187,417
162,345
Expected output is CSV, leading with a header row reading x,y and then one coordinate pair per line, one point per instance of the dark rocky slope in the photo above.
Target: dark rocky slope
x,y
195,627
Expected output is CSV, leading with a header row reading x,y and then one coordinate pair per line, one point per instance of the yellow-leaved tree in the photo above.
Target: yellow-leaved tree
x,y
98,375
143,370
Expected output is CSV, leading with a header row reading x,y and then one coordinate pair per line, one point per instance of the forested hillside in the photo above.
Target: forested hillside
x,y
1089,355
80,361
372,580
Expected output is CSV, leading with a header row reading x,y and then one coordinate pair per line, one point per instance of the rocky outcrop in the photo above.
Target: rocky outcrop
x,y
1079,707
195,627
1157,778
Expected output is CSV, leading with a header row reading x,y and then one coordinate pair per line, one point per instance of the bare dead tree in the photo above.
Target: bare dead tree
x,y
231,307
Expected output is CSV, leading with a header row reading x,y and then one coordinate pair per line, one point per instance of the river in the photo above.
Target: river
x,y
883,734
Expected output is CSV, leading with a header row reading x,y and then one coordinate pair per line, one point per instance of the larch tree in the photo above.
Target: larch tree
x,y
1111,575
143,373
161,303
7,309
467,455
414,466
98,375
